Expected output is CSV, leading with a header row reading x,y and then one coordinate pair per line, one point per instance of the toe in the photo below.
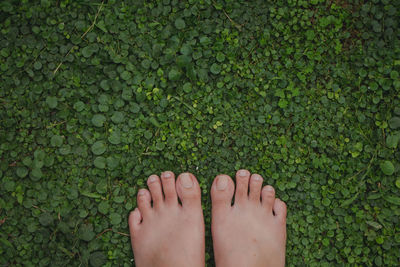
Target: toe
x,y
188,190
242,185
168,184
222,193
268,197
144,202
135,217
154,185
280,210
255,188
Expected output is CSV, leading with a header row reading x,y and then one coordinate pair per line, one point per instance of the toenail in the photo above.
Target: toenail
x,y
257,177
186,180
269,188
152,179
142,192
242,173
222,182
167,175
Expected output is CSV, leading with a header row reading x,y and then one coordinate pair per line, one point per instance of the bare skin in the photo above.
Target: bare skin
x,y
168,233
252,232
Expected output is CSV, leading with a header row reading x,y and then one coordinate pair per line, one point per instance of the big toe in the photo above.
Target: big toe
x,y
222,193
188,190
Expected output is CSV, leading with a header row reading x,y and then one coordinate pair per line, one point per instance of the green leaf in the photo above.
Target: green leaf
x,y
87,51
119,199
126,75
220,57
115,138
310,34
154,121
186,50
98,120
36,173
387,167
97,259
398,183
379,240
393,140
174,75
215,68
326,202
187,87
101,186
374,196
56,141
148,135
79,106
283,103
37,65
45,219
115,218
392,199
180,24
85,232
5,242
347,202
51,101
104,207
160,146
394,122
112,162
22,172
101,25
118,117
99,147
100,162
89,194
146,64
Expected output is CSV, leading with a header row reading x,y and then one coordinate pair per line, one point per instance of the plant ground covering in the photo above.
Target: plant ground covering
x,y
95,96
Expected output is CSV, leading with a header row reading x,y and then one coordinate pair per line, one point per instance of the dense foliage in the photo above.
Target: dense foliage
x,y
95,96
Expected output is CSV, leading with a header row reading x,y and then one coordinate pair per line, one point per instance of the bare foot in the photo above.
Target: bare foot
x,y
168,233
252,232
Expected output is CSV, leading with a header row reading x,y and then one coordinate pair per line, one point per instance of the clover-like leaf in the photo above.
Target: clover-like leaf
x,y
98,120
174,75
46,219
99,147
22,172
115,138
180,24
97,259
115,218
51,101
86,232
387,167
56,141
100,162
215,68
394,122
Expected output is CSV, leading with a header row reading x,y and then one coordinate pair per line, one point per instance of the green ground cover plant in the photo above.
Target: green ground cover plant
x,y
97,95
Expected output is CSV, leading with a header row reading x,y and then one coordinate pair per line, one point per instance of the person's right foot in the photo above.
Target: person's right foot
x,y
169,233
252,232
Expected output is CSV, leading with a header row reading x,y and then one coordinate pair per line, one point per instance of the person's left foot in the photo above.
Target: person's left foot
x,y
168,233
